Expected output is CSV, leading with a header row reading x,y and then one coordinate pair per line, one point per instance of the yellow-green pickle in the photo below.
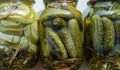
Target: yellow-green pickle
x,y
102,35
18,35
61,35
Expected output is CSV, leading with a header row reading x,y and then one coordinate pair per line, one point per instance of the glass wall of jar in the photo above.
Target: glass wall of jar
x,y
61,35
102,35
18,35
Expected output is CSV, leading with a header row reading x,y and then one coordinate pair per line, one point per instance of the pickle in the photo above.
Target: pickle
x,y
11,28
48,23
11,25
19,19
9,39
59,22
34,32
31,32
55,13
68,42
12,31
45,50
27,32
60,13
109,34
74,29
97,33
54,39
56,24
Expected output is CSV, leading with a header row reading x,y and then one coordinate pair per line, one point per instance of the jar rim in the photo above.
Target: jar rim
x,y
48,3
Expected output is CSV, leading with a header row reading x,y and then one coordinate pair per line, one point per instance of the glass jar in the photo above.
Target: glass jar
x,y
61,35
18,35
102,35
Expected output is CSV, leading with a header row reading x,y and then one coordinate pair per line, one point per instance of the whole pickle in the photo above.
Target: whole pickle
x,y
17,18
45,50
31,32
55,13
68,42
56,24
109,34
12,25
74,29
54,39
59,23
12,31
11,28
9,39
97,33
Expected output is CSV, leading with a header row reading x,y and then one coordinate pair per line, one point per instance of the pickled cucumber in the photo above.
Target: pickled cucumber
x,y
109,34
68,42
97,33
74,29
31,32
55,40
59,23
